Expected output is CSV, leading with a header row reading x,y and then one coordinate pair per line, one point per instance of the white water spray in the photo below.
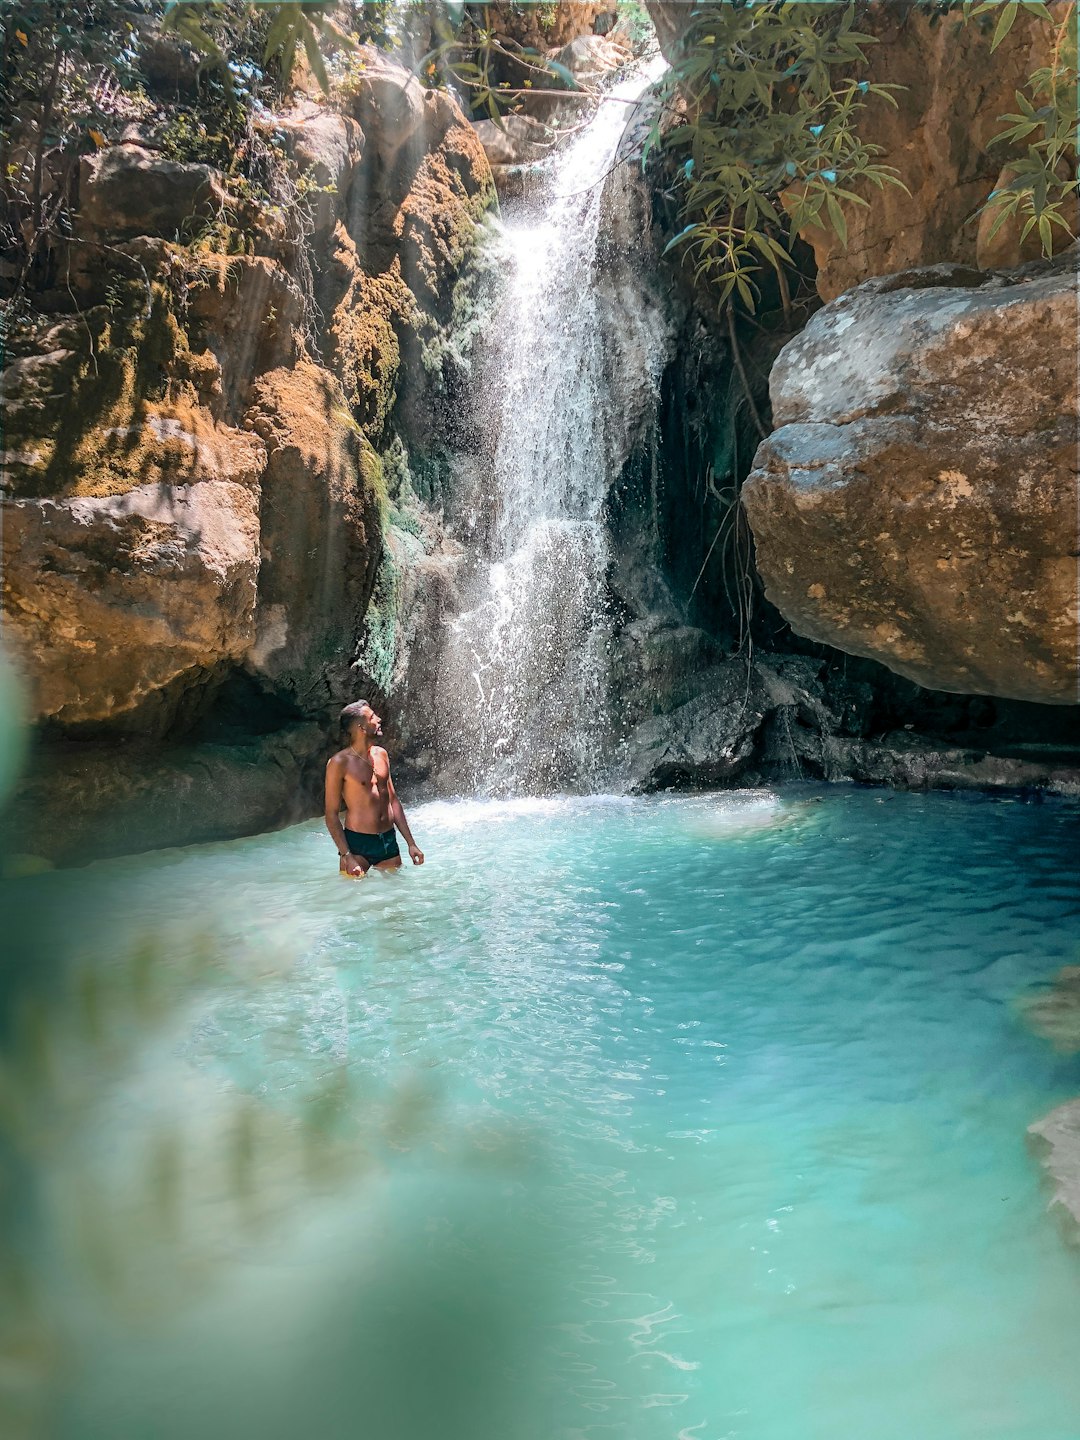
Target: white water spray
x,y
528,661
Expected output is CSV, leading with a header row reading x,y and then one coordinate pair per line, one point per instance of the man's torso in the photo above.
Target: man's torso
x,y
366,791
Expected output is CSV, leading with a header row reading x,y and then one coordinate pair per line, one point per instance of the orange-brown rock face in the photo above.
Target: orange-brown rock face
x,y
190,492
542,27
917,503
403,231
952,95
320,533
949,98
111,599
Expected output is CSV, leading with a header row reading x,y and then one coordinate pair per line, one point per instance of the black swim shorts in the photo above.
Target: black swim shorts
x,y
375,848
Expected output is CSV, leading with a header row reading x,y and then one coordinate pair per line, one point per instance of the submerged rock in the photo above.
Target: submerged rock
x,y
919,762
1054,1012
1056,1140
141,796
917,501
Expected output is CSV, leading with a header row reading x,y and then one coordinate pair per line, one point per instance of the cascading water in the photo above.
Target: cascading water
x,y
528,660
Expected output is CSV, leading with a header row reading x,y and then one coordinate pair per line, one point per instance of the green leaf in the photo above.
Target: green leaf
x,y
315,59
1008,15
683,234
745,292
563,73
1004,213
836,215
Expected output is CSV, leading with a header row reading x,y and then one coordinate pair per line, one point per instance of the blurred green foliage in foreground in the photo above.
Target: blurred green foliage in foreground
x,y
193,1250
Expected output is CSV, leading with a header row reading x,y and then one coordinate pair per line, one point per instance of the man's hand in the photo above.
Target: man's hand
x,y
351,866
416,855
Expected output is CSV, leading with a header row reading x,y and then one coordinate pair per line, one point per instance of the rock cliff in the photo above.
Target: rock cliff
x,y
194,419
915,502
935,135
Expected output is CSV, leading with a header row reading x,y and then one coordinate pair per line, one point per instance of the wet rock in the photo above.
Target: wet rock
x,y
917,502
110,599
792,717
709,740
918,762
139,796
126,190
1056,1140
320,534
514,140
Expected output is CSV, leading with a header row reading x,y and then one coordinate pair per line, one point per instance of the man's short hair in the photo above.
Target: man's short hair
x,y
352,712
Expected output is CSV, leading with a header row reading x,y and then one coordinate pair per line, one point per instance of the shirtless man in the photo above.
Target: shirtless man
x,y
358,780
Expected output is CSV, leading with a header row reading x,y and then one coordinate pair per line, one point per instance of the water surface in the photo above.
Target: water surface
x,y
697,1117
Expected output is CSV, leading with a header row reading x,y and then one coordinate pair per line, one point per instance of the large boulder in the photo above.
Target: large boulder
x,y
111,599
917,501
128,190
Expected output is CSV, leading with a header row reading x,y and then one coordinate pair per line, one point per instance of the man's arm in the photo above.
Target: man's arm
x,y
335,780
397,814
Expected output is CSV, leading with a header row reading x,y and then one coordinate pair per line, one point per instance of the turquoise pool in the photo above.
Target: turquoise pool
x,y
684,1117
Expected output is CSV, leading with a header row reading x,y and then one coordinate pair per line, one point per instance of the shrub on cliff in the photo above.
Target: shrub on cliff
x,y
772,95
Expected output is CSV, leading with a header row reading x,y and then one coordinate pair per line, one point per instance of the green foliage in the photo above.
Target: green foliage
x,y
73,77
68,75
1043,187
291,28
771,139
771,134
1006,11
474,56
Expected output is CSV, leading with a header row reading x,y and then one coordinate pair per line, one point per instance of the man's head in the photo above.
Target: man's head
x,y
359,719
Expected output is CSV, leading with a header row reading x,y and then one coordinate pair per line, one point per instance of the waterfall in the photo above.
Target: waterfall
x,y
526,669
